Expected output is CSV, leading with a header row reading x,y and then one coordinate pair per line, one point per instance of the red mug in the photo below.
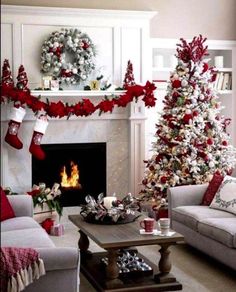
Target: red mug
x,y
147,224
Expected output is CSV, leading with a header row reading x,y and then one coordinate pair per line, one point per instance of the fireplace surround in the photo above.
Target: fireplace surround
x,y
123,131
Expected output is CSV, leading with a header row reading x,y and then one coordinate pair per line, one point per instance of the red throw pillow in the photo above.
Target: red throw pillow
x,y
6,208
212,188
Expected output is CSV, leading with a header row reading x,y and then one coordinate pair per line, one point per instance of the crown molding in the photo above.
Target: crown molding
x,y
60,11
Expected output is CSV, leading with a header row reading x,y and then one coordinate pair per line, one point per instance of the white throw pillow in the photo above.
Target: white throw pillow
x,y
225,198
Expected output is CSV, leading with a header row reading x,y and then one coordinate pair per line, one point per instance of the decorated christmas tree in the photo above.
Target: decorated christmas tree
x,y
22,79
6,74
129,76
191,139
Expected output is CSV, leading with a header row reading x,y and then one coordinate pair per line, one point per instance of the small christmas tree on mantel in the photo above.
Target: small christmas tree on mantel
x,y
191,139
22,79
7,79
129,76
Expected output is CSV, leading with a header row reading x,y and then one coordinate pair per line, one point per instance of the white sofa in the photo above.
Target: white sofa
x,y
61,264
209,230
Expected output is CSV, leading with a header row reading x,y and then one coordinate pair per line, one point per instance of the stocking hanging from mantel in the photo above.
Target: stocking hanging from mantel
x,y
16,116
39,130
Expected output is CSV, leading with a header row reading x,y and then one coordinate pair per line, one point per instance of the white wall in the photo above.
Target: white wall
x,y
24,31
215,19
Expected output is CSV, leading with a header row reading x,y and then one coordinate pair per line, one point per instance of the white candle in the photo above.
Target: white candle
x,y
107,202
158,61
219,61
173,61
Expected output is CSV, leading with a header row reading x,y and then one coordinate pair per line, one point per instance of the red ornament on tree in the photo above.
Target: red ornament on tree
x,y
176,83
129,76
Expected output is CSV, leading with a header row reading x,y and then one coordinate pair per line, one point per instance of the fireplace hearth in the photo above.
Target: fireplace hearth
x,y
80,169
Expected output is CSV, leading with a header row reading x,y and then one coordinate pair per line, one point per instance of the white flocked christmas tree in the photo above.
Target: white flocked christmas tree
x,y
191,140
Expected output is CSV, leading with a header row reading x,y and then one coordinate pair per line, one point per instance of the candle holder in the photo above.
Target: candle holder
x,y
120,212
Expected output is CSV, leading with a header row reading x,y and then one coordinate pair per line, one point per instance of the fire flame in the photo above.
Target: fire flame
x,y
71,181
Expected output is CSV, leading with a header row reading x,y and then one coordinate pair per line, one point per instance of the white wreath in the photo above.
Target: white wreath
x,y
78,47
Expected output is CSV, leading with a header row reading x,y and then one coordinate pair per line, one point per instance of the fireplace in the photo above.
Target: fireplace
x,y
80,169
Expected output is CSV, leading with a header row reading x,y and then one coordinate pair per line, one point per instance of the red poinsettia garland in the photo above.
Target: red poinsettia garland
x,y
82,108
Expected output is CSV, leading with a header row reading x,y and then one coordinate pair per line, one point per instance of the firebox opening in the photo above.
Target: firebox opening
x,y
79,168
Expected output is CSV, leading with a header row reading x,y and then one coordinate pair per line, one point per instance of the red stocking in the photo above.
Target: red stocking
x,y
16,117
39,130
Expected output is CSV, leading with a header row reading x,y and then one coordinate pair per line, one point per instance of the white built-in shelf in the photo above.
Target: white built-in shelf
x,y
224,69
76,93
164,69
169,69
225,91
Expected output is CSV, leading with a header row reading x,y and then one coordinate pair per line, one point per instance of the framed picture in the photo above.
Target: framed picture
x,y
94,85
54,85
47,82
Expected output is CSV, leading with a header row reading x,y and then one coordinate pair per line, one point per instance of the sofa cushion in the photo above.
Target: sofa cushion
x,y
19,223
6,208
31,237
223,231
225,198
191,215
212,188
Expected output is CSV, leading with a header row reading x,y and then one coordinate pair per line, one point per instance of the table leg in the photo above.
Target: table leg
x,y
84,245
164,265
112,270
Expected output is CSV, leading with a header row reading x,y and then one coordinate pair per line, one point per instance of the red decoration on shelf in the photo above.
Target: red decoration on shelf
x,y
129,76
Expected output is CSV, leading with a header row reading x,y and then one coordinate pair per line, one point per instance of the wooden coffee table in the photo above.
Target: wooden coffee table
x,y
113,238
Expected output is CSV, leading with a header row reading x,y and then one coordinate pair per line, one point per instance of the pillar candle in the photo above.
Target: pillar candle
x,y
219,61
158,61
107,202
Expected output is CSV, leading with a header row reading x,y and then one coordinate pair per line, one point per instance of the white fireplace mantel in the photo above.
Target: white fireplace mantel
x,y
76,93
119,36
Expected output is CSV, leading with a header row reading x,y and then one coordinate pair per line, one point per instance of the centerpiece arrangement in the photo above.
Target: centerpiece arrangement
x,y
110,210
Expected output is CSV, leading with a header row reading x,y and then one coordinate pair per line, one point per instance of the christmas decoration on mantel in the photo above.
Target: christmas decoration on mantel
x,y
191,139
78,46
21,97
6,74
22,79
129,76
17,115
